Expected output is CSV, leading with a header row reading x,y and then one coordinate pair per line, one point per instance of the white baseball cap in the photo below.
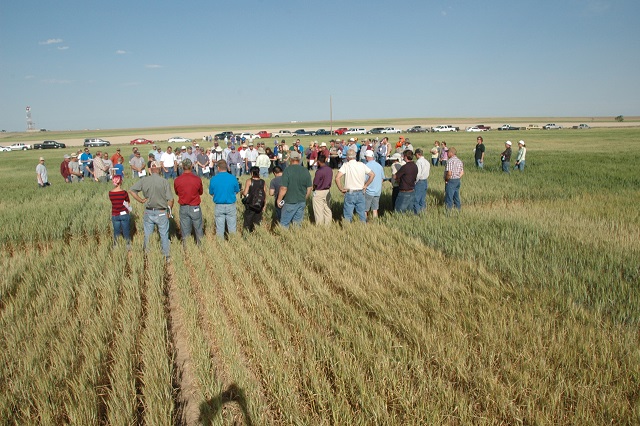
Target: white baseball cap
x,y
508,143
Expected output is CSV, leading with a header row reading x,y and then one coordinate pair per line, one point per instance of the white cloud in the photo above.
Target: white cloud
x,y
63,47
51,41
153,66
120,52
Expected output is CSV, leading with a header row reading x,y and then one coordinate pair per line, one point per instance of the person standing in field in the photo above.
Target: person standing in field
x,y
263,162
354,173
64,169
137,164
522,152
444,153
422,183
42,177
234,160
99,174
224,187
168,162
435,153
202,160
75,169
158,200
116,156
374,190
189,188
406,178
382,152
85,163
120,217
505,157
396,164
453,171
274,190
321,191
479,152
254,199
295,188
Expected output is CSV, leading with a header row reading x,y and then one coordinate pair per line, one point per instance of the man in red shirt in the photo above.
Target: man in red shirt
x,y
189,188
64,169
115,157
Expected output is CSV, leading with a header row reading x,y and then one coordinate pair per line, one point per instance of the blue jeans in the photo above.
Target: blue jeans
x,y
264,172
479,164
170,173
225,214
292,213
420,192
520,166
505,166
190,218
434,162
405,201
452,194
235,170
160,218
354,201
121,227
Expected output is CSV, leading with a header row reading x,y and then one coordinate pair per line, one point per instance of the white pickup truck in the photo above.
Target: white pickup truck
x,y
444,128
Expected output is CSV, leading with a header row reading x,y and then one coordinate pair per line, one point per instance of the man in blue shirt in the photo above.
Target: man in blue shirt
x,y
85,160
224,187
373,191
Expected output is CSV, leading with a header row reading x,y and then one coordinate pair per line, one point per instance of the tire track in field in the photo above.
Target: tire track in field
x,y
186,399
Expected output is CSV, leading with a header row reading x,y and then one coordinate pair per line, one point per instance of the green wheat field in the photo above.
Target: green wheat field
x,y
522,309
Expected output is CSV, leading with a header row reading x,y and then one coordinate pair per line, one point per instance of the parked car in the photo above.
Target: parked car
x,y
323,132
376,130
303,132
483,127
551,126
341,130
19,147
390,130
582,126
533,127
283,133
356,131
475,129
96,142
49,145
246,136
4,149
141,141
178,139
223,135
444,128
508,127
263,134
417,129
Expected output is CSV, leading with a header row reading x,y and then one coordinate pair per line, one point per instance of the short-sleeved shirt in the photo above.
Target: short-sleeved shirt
x,y
375,187
455,166
188,188
479,151
275,184
168,159
156,189
137,162
355,175
323,178
117,199
224,187
296,179
41,170
407,175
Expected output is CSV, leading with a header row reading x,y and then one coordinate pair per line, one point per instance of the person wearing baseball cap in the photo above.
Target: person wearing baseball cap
x,y
296,186
64,168
41,174
188,188
522,152
505,157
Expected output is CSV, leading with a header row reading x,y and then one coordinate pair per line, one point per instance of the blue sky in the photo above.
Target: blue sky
x,y
87,65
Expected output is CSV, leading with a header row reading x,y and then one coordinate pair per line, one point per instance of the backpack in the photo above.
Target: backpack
x,y
256,197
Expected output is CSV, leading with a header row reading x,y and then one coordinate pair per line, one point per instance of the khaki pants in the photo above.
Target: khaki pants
x,y
321,210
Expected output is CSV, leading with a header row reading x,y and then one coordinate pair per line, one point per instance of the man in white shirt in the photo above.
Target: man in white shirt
x,y
168,163
252,156
420,190
355,186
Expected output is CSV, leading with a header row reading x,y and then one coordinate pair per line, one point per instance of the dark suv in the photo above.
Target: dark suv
x,y
96,142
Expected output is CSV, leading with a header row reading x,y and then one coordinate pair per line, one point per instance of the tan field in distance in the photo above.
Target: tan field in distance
x,y
197,132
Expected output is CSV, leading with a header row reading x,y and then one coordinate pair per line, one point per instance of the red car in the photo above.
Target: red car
x,y
141,141
264,134
341,131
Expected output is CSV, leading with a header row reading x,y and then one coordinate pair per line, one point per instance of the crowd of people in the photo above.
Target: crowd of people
x,y
357,168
